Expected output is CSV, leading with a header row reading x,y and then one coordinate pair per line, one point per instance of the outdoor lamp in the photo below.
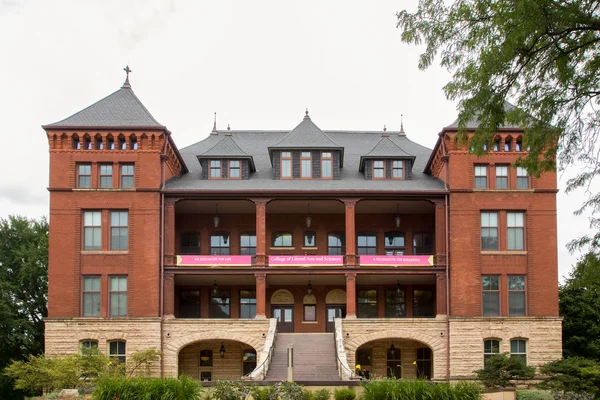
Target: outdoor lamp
x,y
398,288
309,288
215,289
222,350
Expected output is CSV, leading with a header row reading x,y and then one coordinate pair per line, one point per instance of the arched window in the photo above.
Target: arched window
x,y
117,350
518,348
87,345
491,347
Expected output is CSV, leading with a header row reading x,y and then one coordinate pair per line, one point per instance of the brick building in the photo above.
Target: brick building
x,y
408,261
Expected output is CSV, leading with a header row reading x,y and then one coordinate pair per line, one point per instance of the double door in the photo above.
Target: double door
x,y
284,316
334,311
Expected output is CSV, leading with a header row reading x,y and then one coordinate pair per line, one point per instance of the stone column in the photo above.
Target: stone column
x,y
441,297
169,295
351,259
351,296
261,300
261,231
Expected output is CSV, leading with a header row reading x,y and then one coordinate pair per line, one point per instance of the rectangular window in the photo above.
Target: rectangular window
x,y
189,304
219,244
310,312
305,165
515,235
516,295
326,165
397,169
518,348
522,178
247,303
423,303
205,376
219,304
190,243
84,176
206,358
489,231
215,169
395,306
127,176
424,363
501,177
106,181
481,177
366,244
491,347
286,165
248,361
118,296
422,243
119,230
91,296
336,245
394,243
378,170
92,230
117,350
282,240
234,169
366,306
490,286
248,244
364,357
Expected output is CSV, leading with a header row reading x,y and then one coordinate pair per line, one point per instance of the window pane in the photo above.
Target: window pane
x,y
516,283
326,168
491,304
286,168
367,304
490,282
306,170
310,313
516,303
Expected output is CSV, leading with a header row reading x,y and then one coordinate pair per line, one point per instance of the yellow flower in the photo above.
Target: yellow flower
x,y
357,366
414,363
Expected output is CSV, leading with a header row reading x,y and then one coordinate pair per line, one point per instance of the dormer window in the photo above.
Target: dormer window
x,y
215,169
234,169
378,169
397,169
326,165
286,165
305,165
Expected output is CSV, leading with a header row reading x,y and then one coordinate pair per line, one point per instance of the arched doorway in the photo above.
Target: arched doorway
x,y
210,360
394,357
335,307
282,308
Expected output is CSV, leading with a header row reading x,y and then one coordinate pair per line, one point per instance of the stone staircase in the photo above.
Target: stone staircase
x,y
314,357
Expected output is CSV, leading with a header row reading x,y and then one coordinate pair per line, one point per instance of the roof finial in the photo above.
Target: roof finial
x,y
385,134
214,130
402,124
306,116
127,71
228,133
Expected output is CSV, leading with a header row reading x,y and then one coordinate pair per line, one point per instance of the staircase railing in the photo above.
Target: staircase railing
x,y
340,353
260,372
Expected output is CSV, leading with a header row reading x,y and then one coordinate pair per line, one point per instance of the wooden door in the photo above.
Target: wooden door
x,y
285,317
334,311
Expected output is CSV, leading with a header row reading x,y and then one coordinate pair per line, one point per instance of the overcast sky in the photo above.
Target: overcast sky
x,y
258,64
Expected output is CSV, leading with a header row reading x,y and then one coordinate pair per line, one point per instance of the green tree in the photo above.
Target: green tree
x,y
501,369
579,301
542,56
23,292
575,375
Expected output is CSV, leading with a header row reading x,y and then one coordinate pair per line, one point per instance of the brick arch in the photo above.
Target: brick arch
x,y
177,345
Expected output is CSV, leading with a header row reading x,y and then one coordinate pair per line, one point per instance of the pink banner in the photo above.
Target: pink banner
x,y
204,261
400,261
308,261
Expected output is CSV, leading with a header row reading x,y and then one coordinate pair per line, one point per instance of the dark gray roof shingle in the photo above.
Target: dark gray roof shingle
x,y
228,148
120,109
474,122
385,148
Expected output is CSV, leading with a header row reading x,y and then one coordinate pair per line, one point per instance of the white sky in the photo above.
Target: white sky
x,y
258,64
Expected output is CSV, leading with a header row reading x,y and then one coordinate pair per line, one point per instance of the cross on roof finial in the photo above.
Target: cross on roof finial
x,y
306,116
127,71
402,124
214,130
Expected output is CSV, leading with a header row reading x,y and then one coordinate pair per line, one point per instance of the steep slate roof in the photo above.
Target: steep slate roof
x,y
307,135
227,148
385,148
258,143
474,122
121,109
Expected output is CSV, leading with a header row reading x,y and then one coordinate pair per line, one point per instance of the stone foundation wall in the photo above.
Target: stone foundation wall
x,y
542,334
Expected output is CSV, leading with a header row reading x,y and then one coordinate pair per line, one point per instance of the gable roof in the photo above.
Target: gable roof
x,y
227,147
307,135
385,148
121,109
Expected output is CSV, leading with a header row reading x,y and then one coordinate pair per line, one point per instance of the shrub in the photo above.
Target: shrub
x,y
323,394
417,389
500,369
122,388
344,394
534,395
230,390
264,393
292,391
572,375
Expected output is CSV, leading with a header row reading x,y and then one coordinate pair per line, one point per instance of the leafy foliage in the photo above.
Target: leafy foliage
x,y
322,394
344,394
418,389
501,369
579,302
534,395
574,374
543,55
23,292
231,390
122,388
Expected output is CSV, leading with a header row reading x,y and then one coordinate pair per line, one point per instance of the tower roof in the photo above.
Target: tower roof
x,y
121,109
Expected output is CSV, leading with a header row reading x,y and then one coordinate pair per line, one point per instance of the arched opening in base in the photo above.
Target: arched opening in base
x,y
394,358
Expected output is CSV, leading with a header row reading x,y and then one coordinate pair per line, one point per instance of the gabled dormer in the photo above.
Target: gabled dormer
x,y
226,160
306,153
386,160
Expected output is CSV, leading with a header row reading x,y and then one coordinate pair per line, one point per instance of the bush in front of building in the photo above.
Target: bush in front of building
x,y
573,375
123,388
322,394
534,395
502,370
418,389
344,394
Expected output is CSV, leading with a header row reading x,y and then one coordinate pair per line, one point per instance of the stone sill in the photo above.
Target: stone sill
x,y
505,319
241,321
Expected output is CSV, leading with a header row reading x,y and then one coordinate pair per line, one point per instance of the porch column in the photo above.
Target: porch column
x,y
261,301
440,293
169,228
350,204
169,295
440,231
261,231
351,296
